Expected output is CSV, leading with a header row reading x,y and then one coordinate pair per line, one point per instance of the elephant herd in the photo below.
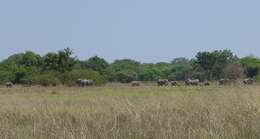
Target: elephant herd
x,y
166,82
79,82
196,82
162,82
229,81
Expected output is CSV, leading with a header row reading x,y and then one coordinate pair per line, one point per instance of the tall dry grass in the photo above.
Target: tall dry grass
x,y
123,112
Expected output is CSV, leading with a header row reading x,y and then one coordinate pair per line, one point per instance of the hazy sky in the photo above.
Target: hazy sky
x,y
145,30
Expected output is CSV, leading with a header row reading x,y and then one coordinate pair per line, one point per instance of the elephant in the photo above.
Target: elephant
x,y
162,82
248,81
207,84
84,82
224,81
9,84
174,83
135,83
194,82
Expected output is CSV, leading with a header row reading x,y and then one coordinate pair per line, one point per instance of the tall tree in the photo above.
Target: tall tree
x,y
61,61
96,63
213,63
123,70
30,59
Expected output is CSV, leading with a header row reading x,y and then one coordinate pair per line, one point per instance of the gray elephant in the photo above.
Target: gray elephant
x,y
9,84
162,82
224,81
207,84
248,81
194,82
136,83
84,82
174,83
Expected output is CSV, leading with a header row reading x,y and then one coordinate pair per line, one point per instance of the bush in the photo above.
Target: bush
x,y
251,65
126,76
46,79
6,76
147,74
234,71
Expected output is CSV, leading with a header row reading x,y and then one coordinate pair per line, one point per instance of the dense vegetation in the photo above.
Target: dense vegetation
x,y
62,68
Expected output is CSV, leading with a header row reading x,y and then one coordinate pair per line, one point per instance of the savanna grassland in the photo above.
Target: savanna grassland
x,y
125,112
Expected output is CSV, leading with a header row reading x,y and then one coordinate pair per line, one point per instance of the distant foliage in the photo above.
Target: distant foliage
x,y
212,64
49,78
63,68
61,61
252,65
234,71
148,72
96,63
126,76
123,71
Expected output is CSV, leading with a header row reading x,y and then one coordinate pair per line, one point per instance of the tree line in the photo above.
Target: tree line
x,y
62,68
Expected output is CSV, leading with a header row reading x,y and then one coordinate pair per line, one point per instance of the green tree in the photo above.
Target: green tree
x,y
31,59
251,65
180,72
125,64
96,63
19,68
123,70
50,62
61,61
8,68
126,76
148,72
15,58
213,63
49,78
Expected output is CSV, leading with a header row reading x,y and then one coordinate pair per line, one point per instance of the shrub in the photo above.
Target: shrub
x,y
46,79
234,71
126,76
6,76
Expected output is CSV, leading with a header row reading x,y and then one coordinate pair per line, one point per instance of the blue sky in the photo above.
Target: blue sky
x,y
145,30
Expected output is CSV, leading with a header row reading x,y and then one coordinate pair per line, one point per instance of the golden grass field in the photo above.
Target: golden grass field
x,y
125,112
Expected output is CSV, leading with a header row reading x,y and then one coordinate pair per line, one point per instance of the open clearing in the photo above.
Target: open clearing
x,y
124,112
